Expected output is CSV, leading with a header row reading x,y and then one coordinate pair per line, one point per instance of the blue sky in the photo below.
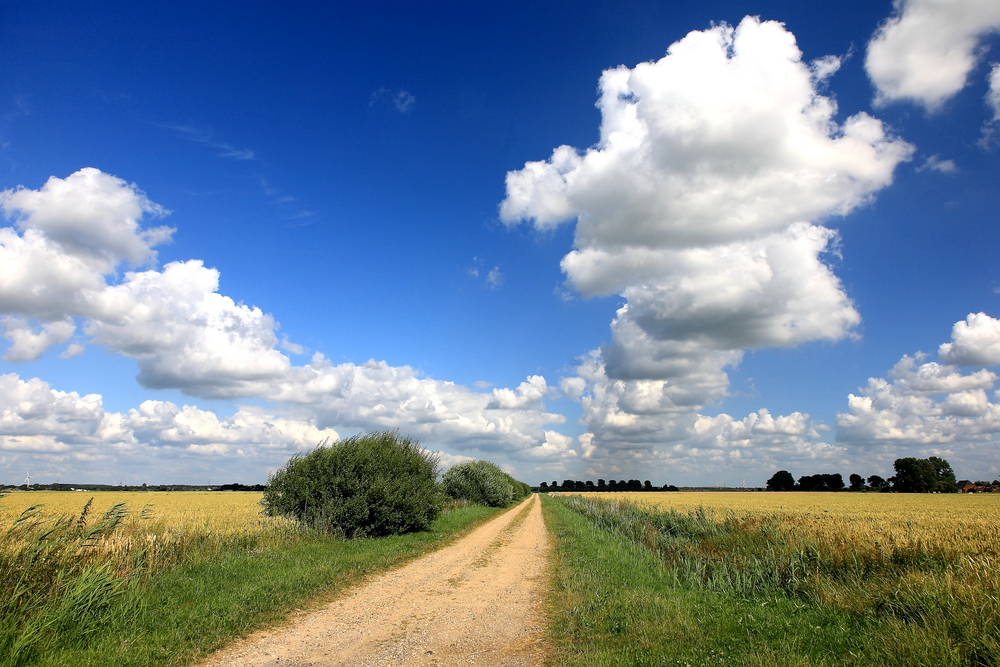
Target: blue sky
x,y
691,244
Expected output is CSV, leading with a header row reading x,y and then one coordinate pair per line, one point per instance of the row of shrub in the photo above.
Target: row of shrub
x,y
380,484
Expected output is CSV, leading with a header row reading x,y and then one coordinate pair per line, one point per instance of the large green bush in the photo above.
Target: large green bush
x,y
365,486
484,483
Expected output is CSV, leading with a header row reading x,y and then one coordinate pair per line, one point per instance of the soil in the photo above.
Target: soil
x,y
476,601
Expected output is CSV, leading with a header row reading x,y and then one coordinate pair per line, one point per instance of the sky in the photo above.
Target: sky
x,y
694,243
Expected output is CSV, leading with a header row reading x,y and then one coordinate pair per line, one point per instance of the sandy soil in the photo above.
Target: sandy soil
x,y
477,601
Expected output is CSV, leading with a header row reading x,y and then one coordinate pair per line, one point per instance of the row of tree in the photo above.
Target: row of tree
x,y
610,485
913,475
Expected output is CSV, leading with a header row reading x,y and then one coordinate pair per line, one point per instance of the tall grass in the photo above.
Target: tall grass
x,y
918,596
147,588
63,573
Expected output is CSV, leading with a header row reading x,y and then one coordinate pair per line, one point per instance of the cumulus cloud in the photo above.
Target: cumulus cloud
x,y
700,205
185,335
69,430
933,407
27,343
722,139
974,342
926,50
375,396
59,279
92,216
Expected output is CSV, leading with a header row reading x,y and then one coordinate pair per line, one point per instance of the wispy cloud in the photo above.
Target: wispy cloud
x,y
207,137
401,100
934,163
493,279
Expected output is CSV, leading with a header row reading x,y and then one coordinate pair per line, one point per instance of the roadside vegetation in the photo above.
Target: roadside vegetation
x,y
370,485
484,483
143,578
636,584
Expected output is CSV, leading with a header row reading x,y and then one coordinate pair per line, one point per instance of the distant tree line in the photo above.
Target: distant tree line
x,y
610,485
235,486
913,475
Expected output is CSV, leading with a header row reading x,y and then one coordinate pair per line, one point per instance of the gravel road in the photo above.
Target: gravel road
x,y
477,601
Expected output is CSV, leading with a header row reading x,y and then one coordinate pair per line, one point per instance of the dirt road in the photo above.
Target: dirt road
x,y
477,601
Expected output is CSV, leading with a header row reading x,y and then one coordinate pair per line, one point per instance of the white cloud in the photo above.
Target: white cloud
x,y
73,434
974,342
185,335
993,95
699,206
931,408
925,51
495,278
375,396
722,139
27,344
93,216
993,102
934,163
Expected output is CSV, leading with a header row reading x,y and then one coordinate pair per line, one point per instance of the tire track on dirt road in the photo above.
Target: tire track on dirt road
x,y
476,601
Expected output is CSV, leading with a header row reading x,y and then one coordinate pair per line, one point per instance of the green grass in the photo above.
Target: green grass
x,y
179,615
634,589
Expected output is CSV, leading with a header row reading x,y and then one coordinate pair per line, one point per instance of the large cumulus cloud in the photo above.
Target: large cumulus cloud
x,y
702,206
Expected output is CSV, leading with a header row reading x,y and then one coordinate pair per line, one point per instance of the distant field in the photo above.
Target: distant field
x,y
219,512
862,520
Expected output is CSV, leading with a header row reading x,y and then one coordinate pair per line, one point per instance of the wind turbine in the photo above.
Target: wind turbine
x,y
27,480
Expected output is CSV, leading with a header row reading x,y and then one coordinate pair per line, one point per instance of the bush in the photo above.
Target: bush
x,y
484,483
366,486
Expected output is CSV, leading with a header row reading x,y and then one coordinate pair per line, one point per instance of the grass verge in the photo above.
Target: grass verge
x,y
180,615
622,595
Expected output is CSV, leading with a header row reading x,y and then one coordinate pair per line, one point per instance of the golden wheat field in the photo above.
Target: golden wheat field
x,y
962,522
219,512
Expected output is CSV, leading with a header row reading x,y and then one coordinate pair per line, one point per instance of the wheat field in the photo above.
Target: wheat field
x,y
959,523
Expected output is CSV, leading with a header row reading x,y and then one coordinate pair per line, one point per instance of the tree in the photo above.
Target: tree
x,y
915,475
483,483
857,482
601,485
781,481
878,483
647,486
834,482
543,487
945,475
366,486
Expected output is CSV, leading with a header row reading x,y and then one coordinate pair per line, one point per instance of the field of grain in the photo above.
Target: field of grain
x,y
913,570
67,557
962,523
225,513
